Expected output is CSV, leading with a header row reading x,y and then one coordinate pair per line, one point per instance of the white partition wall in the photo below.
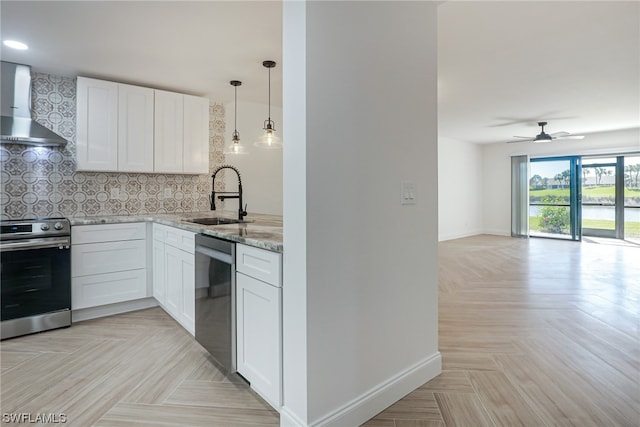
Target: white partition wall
x,y
360,266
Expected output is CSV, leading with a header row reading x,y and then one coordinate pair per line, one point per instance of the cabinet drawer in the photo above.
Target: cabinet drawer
x,y
109,257
181,239
101,289
259,263
107,232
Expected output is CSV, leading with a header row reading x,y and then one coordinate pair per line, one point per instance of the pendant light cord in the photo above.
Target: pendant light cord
x,y
269,94
235,111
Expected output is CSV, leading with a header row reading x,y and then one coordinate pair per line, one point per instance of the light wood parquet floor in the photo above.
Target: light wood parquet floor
x,y
532,332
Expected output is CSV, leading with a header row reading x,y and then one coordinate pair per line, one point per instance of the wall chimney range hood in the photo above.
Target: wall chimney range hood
x,y
17,125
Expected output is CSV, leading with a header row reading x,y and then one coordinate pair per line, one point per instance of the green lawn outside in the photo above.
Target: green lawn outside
x,y
599,191
631,229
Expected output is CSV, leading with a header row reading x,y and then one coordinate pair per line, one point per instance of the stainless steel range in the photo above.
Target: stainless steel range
x,y
35,270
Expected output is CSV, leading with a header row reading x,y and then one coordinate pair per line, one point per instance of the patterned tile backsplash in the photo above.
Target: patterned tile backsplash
x,y
38,182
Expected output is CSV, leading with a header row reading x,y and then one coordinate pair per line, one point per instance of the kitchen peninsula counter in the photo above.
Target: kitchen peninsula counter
x,y
260,230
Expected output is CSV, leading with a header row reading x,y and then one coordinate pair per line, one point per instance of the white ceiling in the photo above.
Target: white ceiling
x,y
503,66
190,47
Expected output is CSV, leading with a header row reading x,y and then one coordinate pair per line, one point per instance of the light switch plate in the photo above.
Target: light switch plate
x,y
407,193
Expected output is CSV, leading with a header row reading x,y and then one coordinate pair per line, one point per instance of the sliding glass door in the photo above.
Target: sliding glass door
x,y
571,197
601,203
632,198
554,194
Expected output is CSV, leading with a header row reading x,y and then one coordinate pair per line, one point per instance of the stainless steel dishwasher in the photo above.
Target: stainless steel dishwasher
x,y
216,299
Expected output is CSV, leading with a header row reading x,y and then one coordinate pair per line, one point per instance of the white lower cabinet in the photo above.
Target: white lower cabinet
x,y
173,273
159,279
108,264
259,323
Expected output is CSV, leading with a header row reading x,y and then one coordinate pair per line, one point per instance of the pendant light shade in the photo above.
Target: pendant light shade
x,y
269,139
235,147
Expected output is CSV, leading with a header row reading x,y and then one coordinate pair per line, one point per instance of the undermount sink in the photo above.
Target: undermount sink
x,y
215,221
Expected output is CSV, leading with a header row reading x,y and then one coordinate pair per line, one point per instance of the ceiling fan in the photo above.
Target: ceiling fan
x,y
545,137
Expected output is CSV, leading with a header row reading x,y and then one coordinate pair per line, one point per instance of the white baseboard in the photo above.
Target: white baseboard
x,y
289,419
367,405
452,236
497,232
111,309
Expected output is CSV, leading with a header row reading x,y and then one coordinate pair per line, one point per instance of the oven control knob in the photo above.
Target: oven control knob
x,y
58,226
44,227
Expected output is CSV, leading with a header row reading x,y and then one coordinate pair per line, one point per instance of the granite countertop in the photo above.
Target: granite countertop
x,y
260,230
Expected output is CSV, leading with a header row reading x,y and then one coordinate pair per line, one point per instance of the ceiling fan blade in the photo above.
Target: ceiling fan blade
x,y
570,137
521,140
559,134
522,137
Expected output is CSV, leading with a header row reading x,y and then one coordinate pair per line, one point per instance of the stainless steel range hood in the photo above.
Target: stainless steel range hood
x,y
17,125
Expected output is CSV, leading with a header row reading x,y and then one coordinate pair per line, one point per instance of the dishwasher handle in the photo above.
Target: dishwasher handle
x,y
211,253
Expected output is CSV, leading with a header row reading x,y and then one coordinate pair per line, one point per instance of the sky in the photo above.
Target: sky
x,y
549,169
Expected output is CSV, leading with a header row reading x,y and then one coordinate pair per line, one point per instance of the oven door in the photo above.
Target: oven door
x,y
35,277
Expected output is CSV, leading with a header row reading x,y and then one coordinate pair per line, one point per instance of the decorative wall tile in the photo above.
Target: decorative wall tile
x,y
43,182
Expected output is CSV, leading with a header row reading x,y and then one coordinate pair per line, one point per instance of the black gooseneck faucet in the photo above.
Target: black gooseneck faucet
x,y
227,194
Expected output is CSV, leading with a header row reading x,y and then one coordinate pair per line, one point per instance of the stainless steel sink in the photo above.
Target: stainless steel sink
x,y
215,221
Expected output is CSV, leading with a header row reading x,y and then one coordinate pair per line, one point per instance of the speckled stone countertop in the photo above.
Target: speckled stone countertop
x,y
261,231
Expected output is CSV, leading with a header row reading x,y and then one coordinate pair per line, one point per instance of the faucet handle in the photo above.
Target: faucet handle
x,y
244,211
212,200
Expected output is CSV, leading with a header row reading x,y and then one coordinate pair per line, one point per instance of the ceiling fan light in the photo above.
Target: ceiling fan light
x,y
543,137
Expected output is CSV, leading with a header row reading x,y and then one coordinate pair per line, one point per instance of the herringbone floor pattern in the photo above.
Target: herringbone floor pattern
x,y
532,332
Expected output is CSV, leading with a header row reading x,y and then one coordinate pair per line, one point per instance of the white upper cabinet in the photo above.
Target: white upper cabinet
x,y
129,128
181,133
196,134
97,115
169,130
135,128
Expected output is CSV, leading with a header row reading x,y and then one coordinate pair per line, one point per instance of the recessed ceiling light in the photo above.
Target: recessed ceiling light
x,y
15,45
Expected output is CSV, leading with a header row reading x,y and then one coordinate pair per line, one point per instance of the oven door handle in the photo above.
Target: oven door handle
x,y
27,244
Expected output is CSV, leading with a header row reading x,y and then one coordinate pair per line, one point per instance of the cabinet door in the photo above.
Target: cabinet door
x,y
168,132
159,272
97,121
135,128
173,296
188,314
259,336
196,134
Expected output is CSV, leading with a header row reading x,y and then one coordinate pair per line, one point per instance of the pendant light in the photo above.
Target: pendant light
x,y
235,147
269,139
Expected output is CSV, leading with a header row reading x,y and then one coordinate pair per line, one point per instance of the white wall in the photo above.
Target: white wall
x,y
460,189
360,269
497,168
261,168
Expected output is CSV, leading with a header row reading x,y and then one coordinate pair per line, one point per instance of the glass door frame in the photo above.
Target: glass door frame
x,y
618,231
575,194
